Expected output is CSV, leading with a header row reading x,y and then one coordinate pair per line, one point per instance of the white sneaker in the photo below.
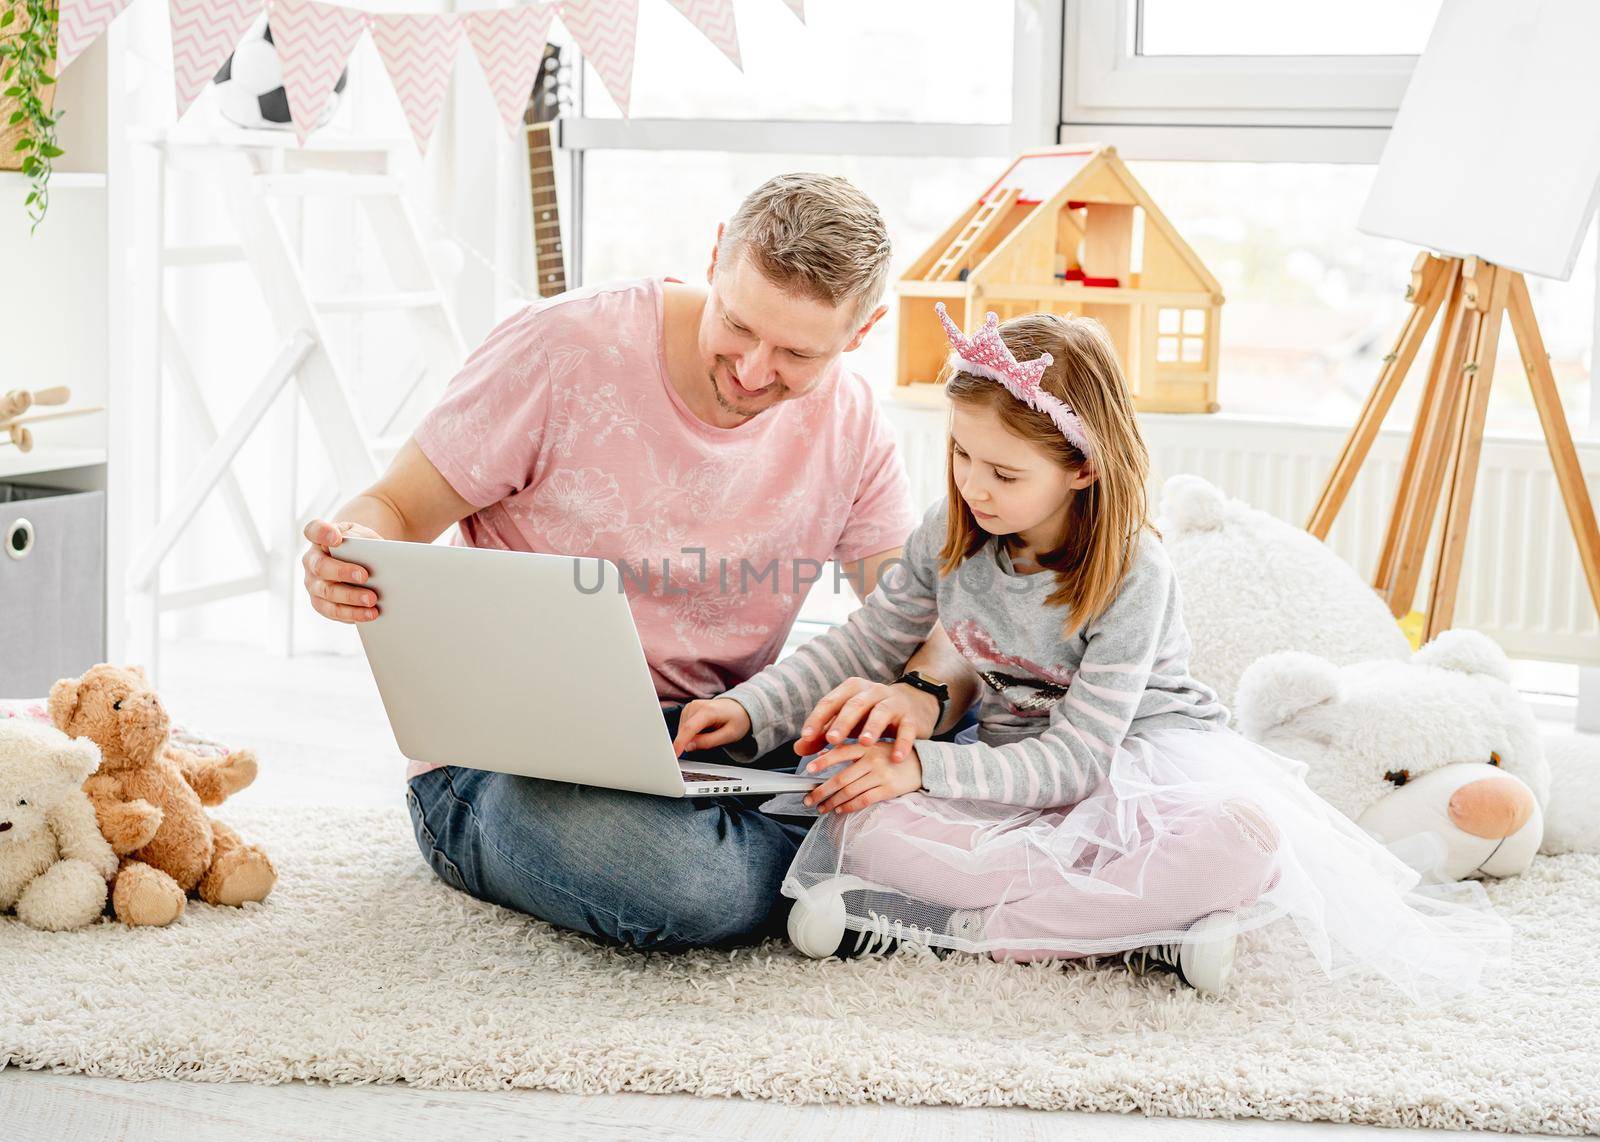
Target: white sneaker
x,y
1203,959
816,922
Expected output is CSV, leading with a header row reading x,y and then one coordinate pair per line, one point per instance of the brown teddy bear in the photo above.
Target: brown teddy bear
x,y
147,795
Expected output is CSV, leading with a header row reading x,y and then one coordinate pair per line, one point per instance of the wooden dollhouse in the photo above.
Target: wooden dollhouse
x,y
1069,230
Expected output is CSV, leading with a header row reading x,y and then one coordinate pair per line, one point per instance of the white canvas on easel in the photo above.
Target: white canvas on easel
x,y
1493,164
1496,149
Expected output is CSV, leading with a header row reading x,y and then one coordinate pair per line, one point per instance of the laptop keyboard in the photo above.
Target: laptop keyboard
x,y
691,775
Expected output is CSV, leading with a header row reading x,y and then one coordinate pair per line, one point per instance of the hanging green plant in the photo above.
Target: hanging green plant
x,y
27,129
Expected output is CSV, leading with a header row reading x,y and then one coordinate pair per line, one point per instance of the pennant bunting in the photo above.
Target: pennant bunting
x,y
204,33
314,42
419,50
715,19
315,39
606,31
509,43
79,24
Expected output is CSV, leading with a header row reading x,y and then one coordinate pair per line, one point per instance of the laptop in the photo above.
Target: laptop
x,y
498,660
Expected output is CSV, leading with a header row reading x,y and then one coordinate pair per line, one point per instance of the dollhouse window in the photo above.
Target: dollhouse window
x,y
1180,336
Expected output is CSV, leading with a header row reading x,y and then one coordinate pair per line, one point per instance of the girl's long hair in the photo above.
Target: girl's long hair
x,y
1108,516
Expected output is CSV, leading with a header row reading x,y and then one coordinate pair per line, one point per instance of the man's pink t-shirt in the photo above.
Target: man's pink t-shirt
x,y
564,431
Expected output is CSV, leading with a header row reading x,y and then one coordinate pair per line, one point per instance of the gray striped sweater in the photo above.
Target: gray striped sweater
x,y
1053,709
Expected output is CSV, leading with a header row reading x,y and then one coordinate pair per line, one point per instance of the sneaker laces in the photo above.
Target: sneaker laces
x,y
879,935
1155,957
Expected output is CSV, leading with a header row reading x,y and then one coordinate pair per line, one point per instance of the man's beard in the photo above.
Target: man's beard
x,y
728,406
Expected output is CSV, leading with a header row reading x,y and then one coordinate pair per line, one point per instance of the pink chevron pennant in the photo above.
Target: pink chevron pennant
x,y
419,49
715,19
606,31
314,41
204,32
79,24
798,7
509,43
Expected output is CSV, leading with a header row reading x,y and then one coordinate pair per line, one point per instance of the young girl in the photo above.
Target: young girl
x,y
1101,805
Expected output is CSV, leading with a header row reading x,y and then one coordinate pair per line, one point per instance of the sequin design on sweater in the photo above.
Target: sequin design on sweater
x,y
1027,697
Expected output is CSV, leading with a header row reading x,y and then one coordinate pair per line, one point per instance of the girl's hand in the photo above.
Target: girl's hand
x,y
877,709
707,723
875,776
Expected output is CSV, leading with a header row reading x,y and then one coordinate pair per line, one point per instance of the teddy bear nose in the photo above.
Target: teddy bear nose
x,y
1491,807
4,825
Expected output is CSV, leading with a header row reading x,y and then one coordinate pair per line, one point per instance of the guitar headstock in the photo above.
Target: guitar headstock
x,y
549,97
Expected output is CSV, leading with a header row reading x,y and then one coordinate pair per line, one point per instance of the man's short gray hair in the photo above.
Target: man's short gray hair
x,y
816,234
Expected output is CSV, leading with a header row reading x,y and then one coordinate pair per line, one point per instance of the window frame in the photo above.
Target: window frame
x,y
1255,108
1077,76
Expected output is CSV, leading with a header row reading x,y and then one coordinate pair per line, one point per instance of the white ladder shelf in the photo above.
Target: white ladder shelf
x,y
257,174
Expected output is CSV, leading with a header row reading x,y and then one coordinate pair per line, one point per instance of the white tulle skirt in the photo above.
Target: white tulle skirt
x,y
1188,822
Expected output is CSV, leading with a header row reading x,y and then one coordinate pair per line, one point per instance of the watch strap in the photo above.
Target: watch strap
x,y
940,692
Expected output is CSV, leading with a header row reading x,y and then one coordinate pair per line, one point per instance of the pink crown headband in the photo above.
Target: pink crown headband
x,y
986,355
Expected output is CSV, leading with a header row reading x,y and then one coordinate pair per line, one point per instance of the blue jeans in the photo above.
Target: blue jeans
x,y
626,868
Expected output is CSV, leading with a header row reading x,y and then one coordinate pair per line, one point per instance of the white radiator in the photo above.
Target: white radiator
x,y
1521,582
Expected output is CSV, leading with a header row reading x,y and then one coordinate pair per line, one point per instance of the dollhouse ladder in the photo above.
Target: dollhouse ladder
x,y
988,217
263,181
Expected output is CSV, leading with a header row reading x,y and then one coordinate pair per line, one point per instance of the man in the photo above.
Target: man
x,y
709,441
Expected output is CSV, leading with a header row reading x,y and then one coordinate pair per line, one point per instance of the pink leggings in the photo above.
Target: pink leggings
x,y
1210,858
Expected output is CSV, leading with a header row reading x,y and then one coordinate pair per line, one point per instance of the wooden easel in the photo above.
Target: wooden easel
x,y
1442,459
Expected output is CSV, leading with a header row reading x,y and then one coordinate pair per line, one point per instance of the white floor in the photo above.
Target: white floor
x,y
319,728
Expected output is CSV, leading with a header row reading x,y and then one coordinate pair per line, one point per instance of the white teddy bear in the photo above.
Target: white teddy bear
x,y
54,864
1439,757
1435,753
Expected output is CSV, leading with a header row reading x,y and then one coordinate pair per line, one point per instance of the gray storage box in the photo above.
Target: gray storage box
x,y
52,586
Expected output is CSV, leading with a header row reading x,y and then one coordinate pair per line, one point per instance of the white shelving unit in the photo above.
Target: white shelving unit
x,y
58,304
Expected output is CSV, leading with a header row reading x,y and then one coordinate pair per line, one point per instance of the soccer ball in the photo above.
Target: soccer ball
x,y
250,83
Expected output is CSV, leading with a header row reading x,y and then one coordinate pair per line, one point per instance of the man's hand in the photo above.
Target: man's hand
x,y
877,709
327,577
707,723
875,776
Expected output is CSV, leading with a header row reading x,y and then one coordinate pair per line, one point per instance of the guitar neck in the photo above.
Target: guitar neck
x,y
547,249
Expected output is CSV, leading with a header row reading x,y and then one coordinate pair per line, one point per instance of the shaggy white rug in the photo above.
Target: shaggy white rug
x,y
364,968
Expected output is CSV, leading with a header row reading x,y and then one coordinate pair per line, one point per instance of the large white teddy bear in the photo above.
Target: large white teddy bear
x,y
54,864
1434,753
1438,757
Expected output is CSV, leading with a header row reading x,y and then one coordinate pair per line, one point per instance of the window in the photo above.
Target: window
x,y
1313,305
1181,337
953,64
1239,79
1272,28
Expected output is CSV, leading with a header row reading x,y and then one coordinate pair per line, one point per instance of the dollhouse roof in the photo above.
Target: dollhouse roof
x,y
1057,186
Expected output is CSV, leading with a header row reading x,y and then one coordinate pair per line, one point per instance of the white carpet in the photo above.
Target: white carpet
x,y
363,968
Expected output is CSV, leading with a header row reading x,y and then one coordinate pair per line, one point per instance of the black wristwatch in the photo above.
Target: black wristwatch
x,y
939,690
